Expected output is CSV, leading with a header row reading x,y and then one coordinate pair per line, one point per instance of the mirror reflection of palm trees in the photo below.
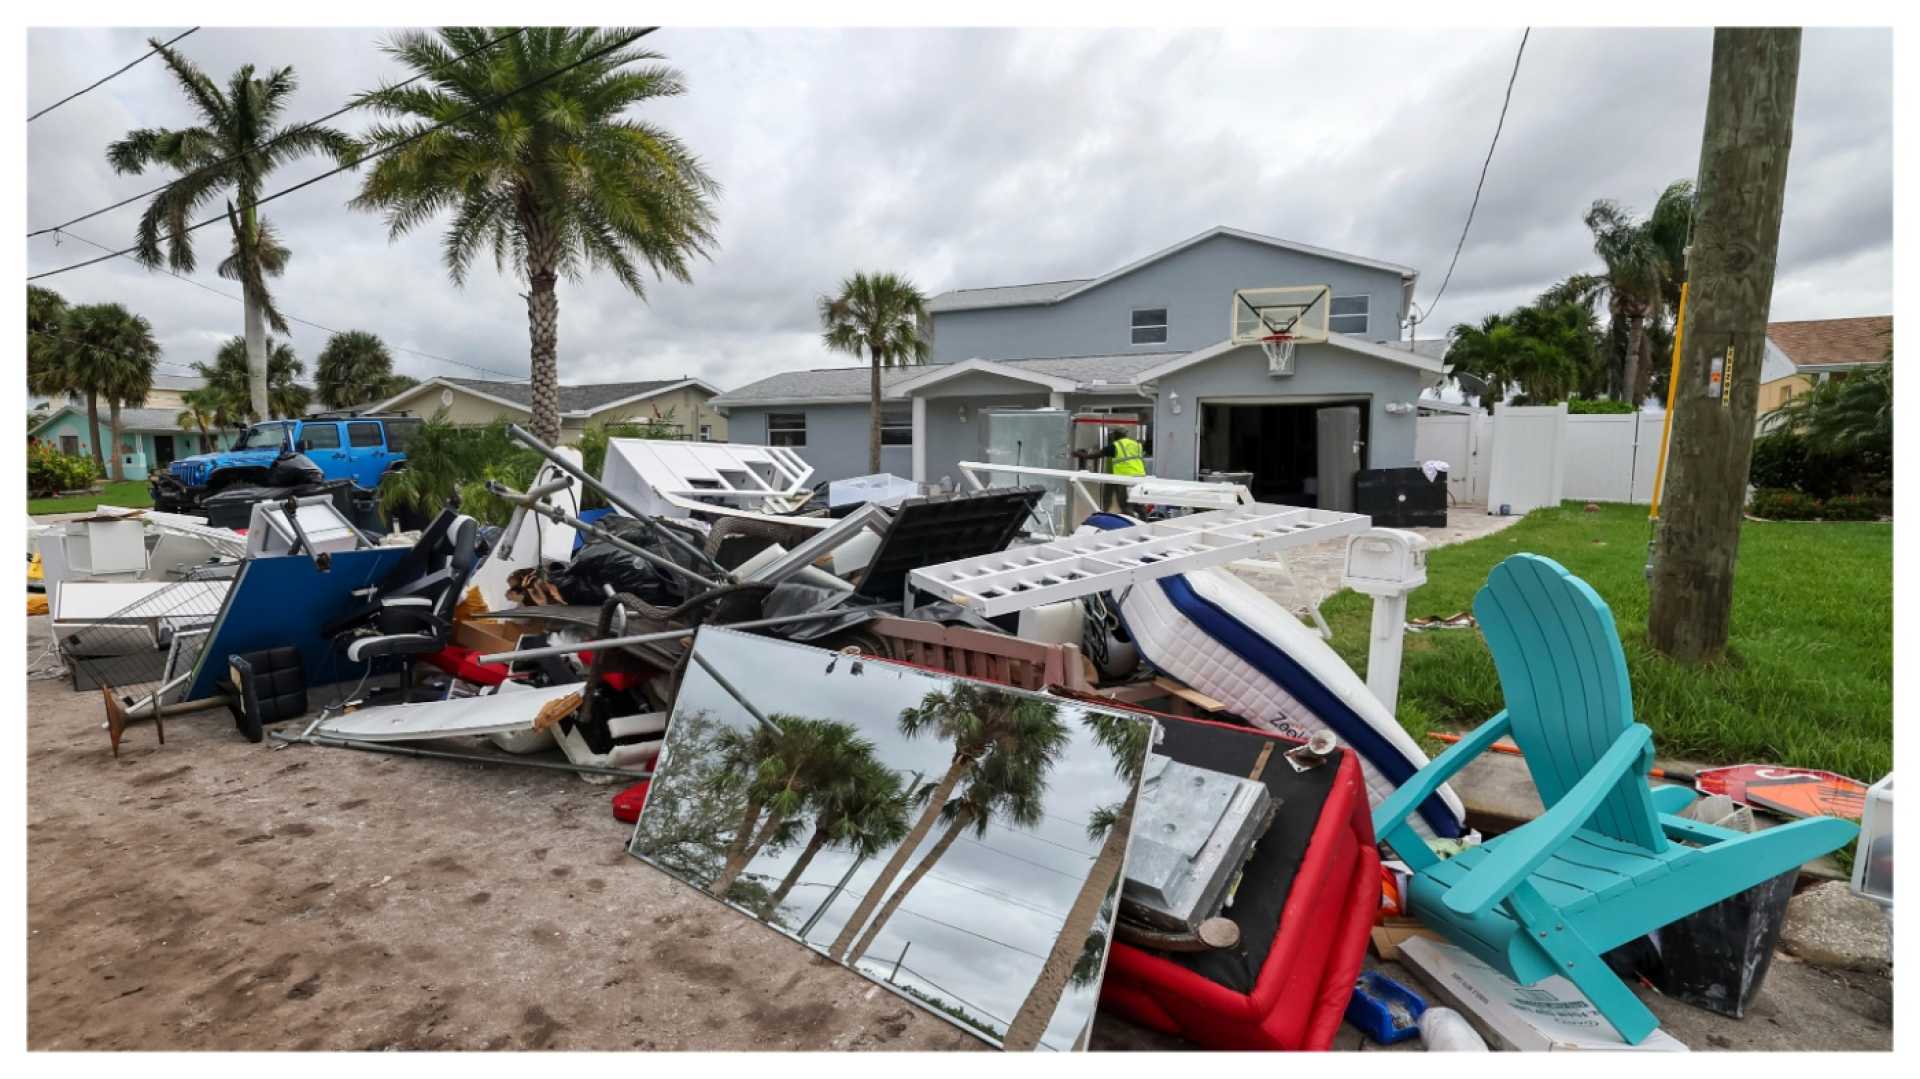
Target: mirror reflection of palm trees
x,y
862,807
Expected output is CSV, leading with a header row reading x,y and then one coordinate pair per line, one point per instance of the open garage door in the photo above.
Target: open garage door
x,y
1299,452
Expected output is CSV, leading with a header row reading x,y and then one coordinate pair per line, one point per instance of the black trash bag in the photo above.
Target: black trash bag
x,y
294,470
601,564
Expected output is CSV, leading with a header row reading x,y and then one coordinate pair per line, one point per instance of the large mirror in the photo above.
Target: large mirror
x,y
958,842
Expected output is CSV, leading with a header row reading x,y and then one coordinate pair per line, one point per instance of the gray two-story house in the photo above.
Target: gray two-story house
x,y
1151,339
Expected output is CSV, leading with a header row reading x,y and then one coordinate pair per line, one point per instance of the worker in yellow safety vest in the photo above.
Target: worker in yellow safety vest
x,y
1128,458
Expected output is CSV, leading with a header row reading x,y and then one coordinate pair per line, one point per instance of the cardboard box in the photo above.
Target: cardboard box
x,y
1392,932
487,635
1551,1014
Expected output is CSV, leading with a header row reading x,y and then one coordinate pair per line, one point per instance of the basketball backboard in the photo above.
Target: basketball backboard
x,y
1298,310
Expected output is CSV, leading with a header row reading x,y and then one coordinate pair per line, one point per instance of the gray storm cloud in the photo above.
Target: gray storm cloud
x,y
978,157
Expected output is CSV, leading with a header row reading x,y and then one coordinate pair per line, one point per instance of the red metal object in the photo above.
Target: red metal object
x,y
1789,792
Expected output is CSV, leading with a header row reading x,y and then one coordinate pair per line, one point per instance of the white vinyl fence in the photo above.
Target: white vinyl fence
x,y
1532,456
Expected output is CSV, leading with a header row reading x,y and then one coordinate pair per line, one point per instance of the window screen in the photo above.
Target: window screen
x,y
896,427
1149,325
786,428
1348,314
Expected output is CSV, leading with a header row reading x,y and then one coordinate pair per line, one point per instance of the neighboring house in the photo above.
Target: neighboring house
x,y
1150,338
150,438
678,402
1799,354
166,392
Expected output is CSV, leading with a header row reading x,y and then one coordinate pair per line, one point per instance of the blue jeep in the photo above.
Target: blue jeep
x,y
362,448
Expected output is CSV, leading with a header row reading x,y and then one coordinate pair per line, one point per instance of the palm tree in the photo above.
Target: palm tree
x,y
1009,783
556,181
355,368
861,806
232,150
1127,741
884,316
782,770
50,367
200,410
1645,264
111,352
974,718
229,377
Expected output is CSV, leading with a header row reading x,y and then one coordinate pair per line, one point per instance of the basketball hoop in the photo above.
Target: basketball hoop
x,y
1279,350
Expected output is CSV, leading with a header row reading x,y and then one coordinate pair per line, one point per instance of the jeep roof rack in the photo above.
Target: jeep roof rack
x,y
350,413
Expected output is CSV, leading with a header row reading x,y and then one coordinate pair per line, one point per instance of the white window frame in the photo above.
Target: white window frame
x,y
1165,326
801,430
1364,316
706,432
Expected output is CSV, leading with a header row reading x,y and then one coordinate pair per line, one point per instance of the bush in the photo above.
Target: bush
x,y
50,472
1855,508
1599,406
1776,504
1779,461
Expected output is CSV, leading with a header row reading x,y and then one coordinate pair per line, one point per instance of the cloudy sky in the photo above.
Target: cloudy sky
x,y
969,158
978,927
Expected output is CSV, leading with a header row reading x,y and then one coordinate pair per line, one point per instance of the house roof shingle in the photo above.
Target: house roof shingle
x,y
851,383
1826,341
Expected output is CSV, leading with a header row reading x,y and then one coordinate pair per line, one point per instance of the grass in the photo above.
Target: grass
x,y
1808,680
132,494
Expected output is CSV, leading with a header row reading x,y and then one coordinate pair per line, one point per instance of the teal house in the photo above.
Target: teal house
x,y
150,438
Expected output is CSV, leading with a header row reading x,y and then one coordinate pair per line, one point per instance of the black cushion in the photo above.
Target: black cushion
x,y
269,686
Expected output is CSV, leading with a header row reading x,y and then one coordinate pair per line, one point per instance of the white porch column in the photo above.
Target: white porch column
x,y
1056,400
919,439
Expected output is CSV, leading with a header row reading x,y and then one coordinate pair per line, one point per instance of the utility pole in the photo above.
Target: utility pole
x,y
1735,242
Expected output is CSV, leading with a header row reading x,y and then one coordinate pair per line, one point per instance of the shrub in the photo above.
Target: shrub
x,y
1598,406
1779,461
1855,508
50,472
1776,504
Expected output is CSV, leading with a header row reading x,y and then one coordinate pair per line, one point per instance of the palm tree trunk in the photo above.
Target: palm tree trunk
x,y
543,322
1030,1022
873,412
113,422
960,822
256,321
1643,364
899,859
772,905
93,432
1636,339
737,856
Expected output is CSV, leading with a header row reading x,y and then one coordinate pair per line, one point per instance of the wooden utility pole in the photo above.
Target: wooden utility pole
x,y
1736,239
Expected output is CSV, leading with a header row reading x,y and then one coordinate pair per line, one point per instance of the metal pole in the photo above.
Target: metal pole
x,y
1666,423
519,434
902,958
833,895
650,638
557,514
440,754
512,533
735,694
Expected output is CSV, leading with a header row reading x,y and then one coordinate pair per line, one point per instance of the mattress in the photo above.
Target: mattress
x,y
1220,635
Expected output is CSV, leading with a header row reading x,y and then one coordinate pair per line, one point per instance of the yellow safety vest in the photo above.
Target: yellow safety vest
x,y
1129,458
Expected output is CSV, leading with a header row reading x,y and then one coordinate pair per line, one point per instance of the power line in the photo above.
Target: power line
x,y
283,136
1017,858
109,78
1522,51
903,909
169,271
389,148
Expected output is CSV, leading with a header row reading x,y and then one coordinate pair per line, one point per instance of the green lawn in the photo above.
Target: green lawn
x,y
132,494
1809,676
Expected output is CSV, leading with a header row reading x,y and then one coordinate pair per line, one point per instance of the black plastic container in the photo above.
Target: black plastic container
x,y
1401,497
1714,958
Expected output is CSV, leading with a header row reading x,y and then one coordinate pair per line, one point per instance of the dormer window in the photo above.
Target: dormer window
x,y
1149,325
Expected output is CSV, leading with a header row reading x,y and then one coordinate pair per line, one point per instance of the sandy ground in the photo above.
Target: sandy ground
x,y
215,894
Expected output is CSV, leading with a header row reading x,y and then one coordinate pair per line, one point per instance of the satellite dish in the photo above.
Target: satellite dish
x,y
446,398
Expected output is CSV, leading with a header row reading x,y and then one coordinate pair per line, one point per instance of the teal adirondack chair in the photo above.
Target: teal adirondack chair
x,y
1600,866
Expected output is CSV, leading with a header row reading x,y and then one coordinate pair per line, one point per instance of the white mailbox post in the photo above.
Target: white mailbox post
x,y
1386,563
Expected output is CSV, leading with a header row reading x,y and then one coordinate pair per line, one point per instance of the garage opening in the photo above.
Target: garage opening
x,y
1300,453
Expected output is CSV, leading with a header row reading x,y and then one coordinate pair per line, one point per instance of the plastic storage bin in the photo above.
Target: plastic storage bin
x,y
1873,860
